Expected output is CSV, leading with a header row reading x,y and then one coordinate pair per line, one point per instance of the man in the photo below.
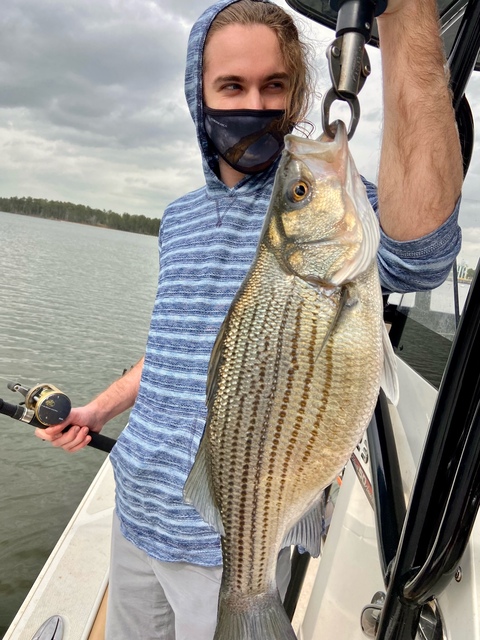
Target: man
x,y
245,62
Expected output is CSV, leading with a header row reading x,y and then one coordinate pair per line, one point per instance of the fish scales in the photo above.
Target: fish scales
x,y
262,444
293,381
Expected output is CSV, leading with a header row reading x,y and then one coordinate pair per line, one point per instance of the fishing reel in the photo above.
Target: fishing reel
x,y
45,402
45,406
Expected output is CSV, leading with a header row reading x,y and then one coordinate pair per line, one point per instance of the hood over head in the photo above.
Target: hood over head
x,y
194,82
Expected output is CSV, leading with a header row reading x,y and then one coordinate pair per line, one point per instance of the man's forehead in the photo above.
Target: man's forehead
x,y
236,43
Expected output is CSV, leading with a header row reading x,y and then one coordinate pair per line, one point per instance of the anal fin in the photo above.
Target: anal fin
x,y
309,530
198,490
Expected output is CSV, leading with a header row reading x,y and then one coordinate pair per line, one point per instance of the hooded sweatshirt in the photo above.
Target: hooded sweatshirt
x,y
207,242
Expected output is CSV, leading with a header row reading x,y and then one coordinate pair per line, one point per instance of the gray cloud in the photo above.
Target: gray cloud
x,y
92,107
92,66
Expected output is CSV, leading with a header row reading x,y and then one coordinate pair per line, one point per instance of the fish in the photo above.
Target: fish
x,y
293,379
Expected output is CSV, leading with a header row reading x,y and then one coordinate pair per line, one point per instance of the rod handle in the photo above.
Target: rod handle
x,y
17,412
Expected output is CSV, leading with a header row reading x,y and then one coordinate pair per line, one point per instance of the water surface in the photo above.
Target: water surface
x,y
75,304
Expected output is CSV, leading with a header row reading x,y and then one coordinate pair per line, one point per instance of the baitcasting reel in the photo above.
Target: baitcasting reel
x,y
45,402
45,406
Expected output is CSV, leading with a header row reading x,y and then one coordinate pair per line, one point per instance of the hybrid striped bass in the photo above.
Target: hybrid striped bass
x,y
293,380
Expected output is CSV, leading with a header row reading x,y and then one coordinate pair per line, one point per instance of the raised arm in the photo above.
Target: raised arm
x,y
116,399
420,176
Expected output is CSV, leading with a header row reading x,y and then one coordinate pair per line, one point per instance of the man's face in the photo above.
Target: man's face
x,y
244,69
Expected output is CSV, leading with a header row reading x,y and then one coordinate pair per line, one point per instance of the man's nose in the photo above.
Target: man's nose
x,y
255,100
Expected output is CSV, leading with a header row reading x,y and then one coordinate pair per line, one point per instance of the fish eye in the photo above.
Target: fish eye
x,y
298,191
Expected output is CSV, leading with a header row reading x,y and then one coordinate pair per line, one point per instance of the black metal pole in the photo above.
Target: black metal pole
x,y
390,505
457,524
449,432
465,50
461,62
299,564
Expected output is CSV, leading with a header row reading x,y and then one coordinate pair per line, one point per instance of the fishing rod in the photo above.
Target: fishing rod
x,y
45,406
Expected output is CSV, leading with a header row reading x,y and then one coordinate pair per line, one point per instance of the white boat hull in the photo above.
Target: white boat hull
x,y
73,581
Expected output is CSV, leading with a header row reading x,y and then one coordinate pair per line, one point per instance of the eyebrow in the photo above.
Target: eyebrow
x,y
233,78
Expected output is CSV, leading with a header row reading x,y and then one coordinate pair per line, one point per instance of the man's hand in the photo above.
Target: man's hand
x,y
80,421
119,397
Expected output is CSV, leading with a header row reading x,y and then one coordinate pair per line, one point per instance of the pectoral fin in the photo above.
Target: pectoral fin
x,y
342,301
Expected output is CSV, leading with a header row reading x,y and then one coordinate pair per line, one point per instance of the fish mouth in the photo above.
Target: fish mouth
x,y
323,151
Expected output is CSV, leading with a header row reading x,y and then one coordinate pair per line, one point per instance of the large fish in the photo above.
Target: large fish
x,y
293,380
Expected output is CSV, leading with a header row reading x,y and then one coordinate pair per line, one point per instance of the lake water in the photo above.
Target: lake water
x,y
75,304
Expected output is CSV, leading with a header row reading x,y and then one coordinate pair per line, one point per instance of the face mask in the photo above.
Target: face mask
x,y
249,140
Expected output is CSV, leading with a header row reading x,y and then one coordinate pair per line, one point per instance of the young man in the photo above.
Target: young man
x,y
245,55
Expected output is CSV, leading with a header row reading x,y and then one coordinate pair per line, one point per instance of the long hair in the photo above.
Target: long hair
x,y
295,52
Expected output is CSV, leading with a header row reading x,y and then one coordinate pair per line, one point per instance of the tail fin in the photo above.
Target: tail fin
x,y
260,617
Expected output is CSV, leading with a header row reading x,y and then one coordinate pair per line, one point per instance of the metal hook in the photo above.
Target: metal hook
x,y
349,67
328,99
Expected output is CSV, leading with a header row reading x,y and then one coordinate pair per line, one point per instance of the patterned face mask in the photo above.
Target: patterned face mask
x,y
249,140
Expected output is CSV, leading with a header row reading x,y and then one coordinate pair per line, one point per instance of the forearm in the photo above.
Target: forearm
x,y
120,395
420,174
416,265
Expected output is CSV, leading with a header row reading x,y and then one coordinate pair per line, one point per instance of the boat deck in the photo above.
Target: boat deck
x,y
73,581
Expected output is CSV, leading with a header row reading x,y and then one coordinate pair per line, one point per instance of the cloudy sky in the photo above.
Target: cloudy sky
x,y
92,108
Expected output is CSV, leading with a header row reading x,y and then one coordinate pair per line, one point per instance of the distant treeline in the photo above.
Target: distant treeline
x,y
69,212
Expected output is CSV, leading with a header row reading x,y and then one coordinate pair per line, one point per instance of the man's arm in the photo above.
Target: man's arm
x,y
116,399
120,395
420,176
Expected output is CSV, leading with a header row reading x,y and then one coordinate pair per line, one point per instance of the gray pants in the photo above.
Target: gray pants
x,y
153,600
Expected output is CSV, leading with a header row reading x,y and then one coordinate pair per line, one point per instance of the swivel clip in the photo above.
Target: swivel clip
x,y
349,67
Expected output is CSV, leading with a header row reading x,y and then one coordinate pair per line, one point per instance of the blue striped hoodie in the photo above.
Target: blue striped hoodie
x,y
207,242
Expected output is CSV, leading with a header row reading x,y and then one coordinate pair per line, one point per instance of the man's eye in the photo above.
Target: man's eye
x,y
276,86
